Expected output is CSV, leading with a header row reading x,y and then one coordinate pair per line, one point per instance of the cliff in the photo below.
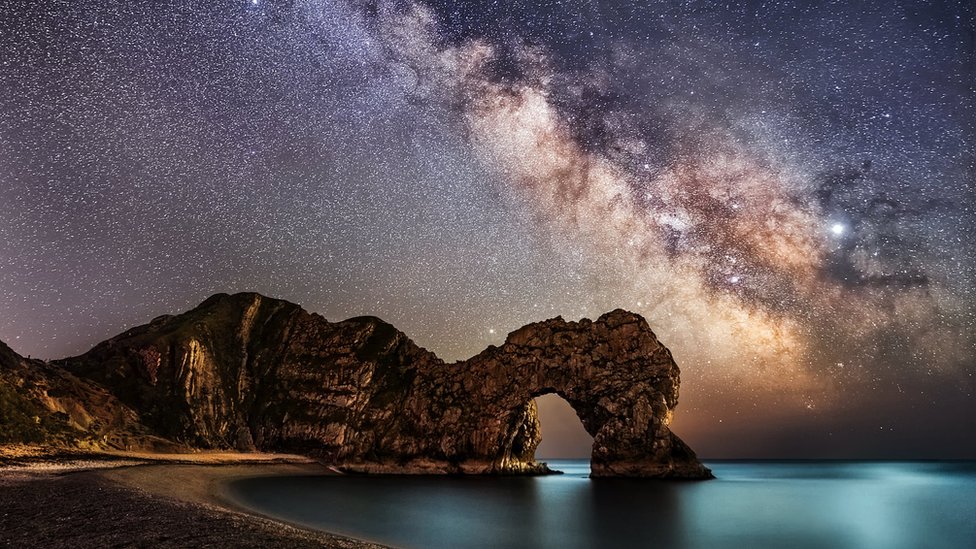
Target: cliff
x,y
248,372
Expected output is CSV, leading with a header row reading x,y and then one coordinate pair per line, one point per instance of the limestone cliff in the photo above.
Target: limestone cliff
x,y
248,372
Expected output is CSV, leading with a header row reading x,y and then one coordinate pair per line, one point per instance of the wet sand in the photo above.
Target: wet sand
x,y
147,501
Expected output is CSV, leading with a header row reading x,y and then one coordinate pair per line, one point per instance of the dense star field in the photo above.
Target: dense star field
x,y
785,190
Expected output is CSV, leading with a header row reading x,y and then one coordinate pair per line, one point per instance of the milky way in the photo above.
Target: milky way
x,y
785,191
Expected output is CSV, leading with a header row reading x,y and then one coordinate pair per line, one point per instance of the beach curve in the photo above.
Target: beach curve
x,y
126,499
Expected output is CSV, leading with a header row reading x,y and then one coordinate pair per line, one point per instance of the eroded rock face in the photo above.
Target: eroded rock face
x,y
614,372
249,372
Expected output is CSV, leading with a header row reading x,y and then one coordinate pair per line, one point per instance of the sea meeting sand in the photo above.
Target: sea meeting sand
x,y
145,500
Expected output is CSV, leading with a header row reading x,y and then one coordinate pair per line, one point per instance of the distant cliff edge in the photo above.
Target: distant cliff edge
x,y
248,372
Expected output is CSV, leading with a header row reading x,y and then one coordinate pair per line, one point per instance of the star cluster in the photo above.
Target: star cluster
x,y
783,189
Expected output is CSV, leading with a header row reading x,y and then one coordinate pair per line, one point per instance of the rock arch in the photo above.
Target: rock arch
x,y
621,381
249,372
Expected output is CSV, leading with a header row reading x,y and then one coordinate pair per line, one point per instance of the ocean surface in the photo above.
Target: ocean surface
x,y
750,504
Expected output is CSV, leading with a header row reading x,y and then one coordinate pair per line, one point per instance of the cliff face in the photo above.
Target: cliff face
x,y
249,372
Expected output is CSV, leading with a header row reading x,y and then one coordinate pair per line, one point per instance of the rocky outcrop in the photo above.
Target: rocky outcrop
x,y
43,404
620,380
248,372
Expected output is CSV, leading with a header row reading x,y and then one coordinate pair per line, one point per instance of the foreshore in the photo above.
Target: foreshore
x,y
146,500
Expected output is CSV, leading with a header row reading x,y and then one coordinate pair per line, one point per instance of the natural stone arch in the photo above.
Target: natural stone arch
x,y
621,381
254,373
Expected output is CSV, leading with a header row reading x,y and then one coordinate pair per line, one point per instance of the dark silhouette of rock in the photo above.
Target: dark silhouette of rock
x,y
248,372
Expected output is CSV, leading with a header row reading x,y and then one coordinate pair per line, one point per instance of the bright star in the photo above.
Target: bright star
x,y
838,229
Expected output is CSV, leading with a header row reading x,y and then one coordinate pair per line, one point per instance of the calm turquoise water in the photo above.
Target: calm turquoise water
x,y
751,504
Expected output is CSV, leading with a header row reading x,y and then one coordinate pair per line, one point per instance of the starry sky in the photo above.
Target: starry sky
x,y
784,189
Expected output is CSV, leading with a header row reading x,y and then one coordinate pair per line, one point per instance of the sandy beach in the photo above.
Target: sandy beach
x,y
143,500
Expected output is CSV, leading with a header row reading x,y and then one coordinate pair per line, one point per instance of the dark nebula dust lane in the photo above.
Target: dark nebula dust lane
x,y
784,190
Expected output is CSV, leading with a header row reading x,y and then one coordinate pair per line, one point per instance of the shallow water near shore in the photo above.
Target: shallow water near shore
x,y
750,504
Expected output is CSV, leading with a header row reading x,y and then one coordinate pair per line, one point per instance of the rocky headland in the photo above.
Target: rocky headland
x,y
249,373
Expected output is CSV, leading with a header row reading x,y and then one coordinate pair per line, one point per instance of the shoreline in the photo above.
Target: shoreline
x,y
164,500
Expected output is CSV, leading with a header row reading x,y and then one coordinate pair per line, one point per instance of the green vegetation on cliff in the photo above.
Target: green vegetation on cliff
x,y
23,421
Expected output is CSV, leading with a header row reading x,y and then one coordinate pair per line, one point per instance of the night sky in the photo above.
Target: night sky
x,y
785,190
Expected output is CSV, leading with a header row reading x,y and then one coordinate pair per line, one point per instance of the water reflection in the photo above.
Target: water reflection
x,y
638,511
756,504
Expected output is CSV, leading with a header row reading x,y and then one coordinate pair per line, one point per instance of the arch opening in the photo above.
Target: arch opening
x,y
563,435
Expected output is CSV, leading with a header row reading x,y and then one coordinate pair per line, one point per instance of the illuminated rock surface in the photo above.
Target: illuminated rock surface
x,y
253,373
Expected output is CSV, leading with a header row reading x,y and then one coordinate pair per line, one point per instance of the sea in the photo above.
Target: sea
x,y
751,504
